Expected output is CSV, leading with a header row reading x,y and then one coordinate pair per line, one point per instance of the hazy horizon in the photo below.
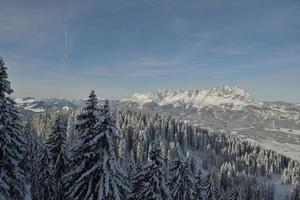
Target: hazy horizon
x,y
103,97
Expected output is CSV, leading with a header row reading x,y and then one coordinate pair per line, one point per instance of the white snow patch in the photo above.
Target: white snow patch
x,y
30,108
66,108
21,101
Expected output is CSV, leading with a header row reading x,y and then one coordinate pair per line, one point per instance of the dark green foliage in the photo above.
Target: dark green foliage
x,y
56,145
94,172
12,152
181,182
45,186
149,183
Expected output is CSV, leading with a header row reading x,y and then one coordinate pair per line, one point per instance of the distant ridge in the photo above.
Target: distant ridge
x,y
217,96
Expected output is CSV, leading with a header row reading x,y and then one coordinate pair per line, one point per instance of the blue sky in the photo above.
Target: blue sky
x,y
117,47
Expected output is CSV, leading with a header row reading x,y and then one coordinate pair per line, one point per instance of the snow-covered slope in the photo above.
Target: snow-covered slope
x,y
234,97
275,125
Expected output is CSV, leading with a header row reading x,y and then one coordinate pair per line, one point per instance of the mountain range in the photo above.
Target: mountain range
x,y
275,125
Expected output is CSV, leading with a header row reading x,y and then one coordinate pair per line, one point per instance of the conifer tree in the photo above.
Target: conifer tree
x,y
130,167
44,186
113,180
236,193
210,191
296,189
149,183
84,154
94,172
33,144
28,154
56,145
180,181
198,187
296,193
12,178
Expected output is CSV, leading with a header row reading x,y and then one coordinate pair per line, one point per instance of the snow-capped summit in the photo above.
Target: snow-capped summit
x,y
216,96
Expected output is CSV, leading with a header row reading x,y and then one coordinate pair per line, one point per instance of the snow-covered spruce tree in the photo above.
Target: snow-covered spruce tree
x,y
198,186
130,167
94,172
296,189
33,144
113,181
149,183
236,192
44,187
296,193
12,178
210,191
181,182
28,153
85,153
56,145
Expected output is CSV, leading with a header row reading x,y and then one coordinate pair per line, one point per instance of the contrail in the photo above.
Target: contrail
x,y
66,35
66,52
